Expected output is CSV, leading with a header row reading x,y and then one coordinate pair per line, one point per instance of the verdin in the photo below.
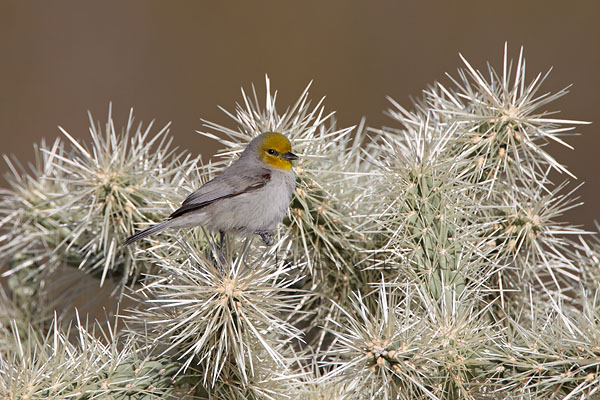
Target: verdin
x,y
250,196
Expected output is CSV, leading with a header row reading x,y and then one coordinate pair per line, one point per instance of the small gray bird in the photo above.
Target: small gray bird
x,y
250,196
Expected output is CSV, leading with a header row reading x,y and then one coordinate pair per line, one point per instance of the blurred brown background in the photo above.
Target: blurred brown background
x,y
177,60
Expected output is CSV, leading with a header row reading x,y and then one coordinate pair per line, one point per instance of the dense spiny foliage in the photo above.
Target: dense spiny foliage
x,y
422,260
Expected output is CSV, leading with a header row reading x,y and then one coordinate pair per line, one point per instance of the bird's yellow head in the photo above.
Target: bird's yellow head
x,y
276,150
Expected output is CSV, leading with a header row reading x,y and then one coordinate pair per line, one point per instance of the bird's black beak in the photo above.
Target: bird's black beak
x,y
289,156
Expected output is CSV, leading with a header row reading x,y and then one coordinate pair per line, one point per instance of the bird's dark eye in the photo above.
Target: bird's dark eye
x,y
271,152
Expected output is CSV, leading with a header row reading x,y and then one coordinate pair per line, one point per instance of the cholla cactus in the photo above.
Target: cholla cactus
x,y
423,261
82,202
28,210
409,346
36,365
219,311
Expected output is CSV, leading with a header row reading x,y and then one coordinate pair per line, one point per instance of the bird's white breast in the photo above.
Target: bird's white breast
x,y
259,210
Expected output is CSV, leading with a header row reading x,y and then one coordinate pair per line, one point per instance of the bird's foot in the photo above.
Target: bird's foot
x,y
267,237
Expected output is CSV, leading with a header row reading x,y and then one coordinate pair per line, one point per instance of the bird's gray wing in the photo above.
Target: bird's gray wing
x,y
232,182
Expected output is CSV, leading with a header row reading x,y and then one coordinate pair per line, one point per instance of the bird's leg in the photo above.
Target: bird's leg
x,y
221,239
221,252
266,236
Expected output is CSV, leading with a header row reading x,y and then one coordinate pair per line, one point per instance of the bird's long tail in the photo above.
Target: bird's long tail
x,y
147,232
